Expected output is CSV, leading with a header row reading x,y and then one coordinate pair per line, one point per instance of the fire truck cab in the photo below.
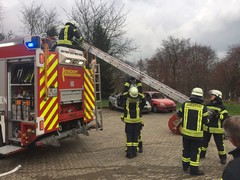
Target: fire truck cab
x,y
44,95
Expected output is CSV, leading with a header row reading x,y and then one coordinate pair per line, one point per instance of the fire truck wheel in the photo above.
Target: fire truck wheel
x,y
175,130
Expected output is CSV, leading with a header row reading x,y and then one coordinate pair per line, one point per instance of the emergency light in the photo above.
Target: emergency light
x,y
33,42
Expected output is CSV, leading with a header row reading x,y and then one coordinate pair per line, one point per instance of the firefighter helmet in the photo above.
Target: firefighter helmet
x,y
216,93
133,91
197,92
74,23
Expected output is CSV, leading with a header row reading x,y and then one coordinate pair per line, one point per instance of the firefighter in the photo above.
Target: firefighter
x,y
137,83
69,36
214,127
132,116
232,131
194,115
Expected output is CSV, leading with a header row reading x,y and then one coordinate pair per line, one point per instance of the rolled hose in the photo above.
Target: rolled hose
x,y
173,128
12,171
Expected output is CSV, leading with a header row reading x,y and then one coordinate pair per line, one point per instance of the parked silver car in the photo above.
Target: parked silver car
x,y
116,103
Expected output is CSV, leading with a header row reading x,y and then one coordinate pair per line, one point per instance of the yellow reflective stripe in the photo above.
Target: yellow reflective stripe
x,y
205,114
192,133
127,84
185,119
129,143
216,130
89,94
139,84
49,105
64,42
224,111
199,121
132,120
135,144
66,32
205,128
214,108
52,78
204,149
137,110
53,122
192,163
185,159
87,114
47,109
222,152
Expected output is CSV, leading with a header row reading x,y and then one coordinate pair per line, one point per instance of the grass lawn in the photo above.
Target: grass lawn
x,y
233,108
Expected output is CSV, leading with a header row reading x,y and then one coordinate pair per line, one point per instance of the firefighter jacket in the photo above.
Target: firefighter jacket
x,y
133,108
219,114
232,169
193,115
69,36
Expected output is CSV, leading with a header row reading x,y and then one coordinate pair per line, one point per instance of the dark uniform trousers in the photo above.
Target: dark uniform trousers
x,y
191,153
218,138
132,131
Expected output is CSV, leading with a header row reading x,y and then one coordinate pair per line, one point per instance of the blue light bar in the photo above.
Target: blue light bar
x,y
34,43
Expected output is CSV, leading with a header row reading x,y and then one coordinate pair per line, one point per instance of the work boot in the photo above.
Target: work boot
x,y
185,166
130,155
223,161
196,172
185,169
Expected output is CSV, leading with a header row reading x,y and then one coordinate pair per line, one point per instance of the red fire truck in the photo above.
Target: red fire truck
x,y
44,95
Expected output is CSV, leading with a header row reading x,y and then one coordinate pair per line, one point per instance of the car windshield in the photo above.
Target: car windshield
x,y
157,96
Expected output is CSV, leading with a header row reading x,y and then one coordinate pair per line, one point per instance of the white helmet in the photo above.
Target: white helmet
x,y
197,92
133,91
74,23
216,93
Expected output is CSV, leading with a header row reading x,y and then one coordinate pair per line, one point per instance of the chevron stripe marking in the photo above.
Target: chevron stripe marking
x,y
50,115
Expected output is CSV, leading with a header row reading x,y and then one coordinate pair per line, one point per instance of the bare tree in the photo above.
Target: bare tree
x,y
37,20
102,25
226,74
182,65
102,20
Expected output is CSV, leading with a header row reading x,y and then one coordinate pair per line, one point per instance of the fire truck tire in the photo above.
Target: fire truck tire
x,y
173,129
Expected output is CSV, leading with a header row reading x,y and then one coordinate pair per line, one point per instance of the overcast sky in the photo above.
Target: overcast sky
x,y
214,23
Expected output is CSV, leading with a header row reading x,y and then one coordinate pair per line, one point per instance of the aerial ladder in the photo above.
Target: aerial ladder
x,y
174,122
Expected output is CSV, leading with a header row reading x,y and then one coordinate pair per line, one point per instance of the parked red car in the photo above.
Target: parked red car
x,y
159,102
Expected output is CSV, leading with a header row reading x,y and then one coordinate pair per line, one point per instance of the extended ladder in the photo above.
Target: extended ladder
x,y
119,64
98,97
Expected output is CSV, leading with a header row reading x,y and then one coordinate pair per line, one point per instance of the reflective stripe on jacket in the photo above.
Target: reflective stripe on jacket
x,y
64,37
194,115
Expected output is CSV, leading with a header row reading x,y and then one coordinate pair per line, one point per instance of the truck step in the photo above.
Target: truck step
x,y
10,149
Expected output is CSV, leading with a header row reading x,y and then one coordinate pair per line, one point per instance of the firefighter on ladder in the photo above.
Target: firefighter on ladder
x,y
194,114
137,83
132,116
214,127
69,36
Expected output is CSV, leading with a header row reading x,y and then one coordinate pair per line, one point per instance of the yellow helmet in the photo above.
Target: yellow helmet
x,y
133,91
197,92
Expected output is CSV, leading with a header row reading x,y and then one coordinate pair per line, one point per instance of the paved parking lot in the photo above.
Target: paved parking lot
x,y
101,155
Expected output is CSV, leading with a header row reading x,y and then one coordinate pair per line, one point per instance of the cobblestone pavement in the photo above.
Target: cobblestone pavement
x,y
101,155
